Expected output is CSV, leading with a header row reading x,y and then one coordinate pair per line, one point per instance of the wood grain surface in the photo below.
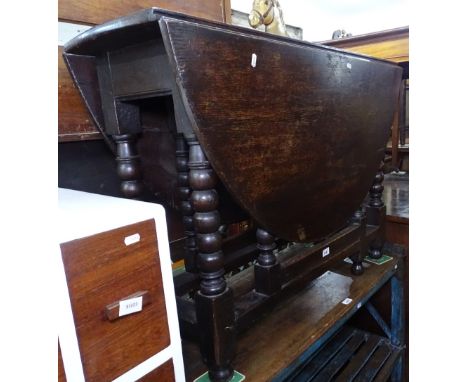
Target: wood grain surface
x,y
164,373
61,370
97,12
391,44
74,121
276,340
101,269
298,138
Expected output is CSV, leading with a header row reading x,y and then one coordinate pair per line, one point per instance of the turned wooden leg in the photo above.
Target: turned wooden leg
x,y
376,213
359,218
267,268
184,191
375,249
128,165
375,193
214,302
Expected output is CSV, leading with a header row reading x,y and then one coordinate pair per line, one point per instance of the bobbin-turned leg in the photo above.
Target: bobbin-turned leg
x,y
376,213
184,191
128,165
267,268
214,302
360,218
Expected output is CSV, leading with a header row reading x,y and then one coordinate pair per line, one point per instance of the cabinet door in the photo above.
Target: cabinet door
x,y
117,298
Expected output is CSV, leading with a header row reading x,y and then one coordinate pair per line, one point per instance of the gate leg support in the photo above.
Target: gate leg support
x,y
184,191
214,302
360,218
128,165
376,212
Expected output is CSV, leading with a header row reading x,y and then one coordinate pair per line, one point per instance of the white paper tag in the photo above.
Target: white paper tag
x,y
347,301
131,305
326,252
254,60
132,239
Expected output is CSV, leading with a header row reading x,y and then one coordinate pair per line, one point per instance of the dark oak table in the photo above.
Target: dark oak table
x,y
176,99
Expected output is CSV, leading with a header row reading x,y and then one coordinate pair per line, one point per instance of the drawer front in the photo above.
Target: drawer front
x,y
102,270
164,373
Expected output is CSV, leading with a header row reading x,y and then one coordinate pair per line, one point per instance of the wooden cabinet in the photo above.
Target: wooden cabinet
x,y
117,287
392,44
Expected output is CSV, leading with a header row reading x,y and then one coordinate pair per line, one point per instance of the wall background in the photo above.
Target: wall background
x,y
319,18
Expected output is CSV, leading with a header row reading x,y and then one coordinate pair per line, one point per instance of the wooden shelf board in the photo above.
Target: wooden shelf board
x,y
278,341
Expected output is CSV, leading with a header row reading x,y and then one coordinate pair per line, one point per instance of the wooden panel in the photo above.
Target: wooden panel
x,y
74,121
227,11
61,370
164,373
100,270
397,233
394,50
97,12
391,45
261,146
